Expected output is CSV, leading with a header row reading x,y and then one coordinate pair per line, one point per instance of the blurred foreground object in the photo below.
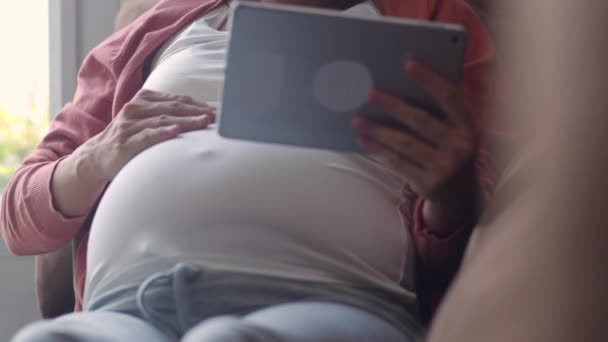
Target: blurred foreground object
x,y
535,268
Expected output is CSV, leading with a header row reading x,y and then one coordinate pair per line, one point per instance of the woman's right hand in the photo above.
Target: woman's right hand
x,y
148,119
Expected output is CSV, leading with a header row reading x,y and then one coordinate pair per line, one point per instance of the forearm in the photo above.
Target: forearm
x,y
54,282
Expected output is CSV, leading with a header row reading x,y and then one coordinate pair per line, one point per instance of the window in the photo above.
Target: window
x,y
24,81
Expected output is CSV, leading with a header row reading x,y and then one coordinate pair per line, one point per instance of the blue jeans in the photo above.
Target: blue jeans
x,y
168,307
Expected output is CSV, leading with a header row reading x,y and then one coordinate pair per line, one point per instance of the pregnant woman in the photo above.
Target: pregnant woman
x,y
201,238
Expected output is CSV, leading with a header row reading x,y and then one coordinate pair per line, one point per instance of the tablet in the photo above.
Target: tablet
x,y
296,75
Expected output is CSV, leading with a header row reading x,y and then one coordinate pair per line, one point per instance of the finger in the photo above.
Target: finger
x,y
423,123
185,124
188,100
153,96
444,91
174,108
400,142
149,94
150,137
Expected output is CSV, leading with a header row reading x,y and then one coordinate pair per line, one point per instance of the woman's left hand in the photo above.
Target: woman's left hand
x,y
437,156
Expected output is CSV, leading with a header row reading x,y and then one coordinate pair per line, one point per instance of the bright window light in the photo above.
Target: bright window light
x,y
24,81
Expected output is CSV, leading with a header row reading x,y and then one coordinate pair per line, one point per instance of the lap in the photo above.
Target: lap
x,y
298,322
292,322
91,327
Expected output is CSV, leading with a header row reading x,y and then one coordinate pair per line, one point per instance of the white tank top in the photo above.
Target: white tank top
x,y
242,206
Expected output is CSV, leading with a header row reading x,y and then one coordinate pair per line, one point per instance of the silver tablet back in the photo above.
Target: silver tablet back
x,y
297,75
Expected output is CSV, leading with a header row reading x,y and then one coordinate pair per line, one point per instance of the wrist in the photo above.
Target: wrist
x,y
73,195
84,165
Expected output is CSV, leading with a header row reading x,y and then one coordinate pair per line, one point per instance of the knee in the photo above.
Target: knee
x,y
42,331
229,329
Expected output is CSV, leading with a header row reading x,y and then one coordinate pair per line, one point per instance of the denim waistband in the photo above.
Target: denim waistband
x,y
176,300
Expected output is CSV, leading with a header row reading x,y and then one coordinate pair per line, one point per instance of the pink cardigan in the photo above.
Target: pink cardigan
x,y
112,74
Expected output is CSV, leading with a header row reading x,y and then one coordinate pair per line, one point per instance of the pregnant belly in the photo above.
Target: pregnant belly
x,y
250,207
